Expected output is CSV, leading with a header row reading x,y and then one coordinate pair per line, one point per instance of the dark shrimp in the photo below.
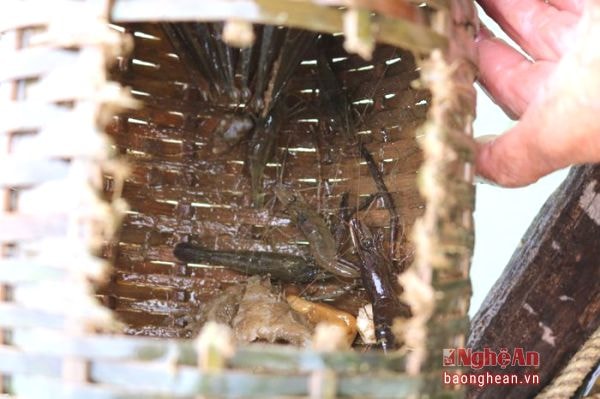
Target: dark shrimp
x,y
345,212
282,267
378,281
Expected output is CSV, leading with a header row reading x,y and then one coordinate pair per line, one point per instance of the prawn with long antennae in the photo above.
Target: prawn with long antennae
x,y
377,279
311,224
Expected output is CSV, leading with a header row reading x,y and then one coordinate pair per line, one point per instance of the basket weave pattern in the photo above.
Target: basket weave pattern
x,y
176,189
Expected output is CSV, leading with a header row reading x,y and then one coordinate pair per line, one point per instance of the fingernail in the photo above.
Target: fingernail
x,y
483,33
486,138
482,180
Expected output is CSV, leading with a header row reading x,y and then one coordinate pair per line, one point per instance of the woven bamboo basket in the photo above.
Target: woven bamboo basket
x,y
107,164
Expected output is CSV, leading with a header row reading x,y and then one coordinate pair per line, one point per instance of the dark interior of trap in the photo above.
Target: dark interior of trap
x,y
180,190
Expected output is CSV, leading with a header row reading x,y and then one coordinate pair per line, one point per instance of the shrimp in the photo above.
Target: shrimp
x,y
378,281
322,244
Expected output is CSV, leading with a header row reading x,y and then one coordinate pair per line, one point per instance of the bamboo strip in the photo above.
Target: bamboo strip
x,y
19,272
35,61
16,226
277,359
17,14
28,115
15,315
225,385
305,15
14,361
21,171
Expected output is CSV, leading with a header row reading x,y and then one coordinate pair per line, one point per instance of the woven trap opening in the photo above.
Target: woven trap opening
x,y
329,112
198,174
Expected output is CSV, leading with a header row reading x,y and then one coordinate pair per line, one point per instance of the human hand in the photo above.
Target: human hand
x,y
556,95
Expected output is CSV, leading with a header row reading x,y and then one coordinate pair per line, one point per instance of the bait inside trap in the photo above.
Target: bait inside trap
x,y
292,147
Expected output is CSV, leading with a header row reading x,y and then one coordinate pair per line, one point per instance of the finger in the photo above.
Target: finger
x,y
511,160
508,77
559,128
573,6
543,31
550,136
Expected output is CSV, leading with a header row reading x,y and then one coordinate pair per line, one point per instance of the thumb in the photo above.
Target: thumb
x,y
513,159
552,134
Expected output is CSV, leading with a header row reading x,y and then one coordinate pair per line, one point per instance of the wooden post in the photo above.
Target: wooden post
x,y
548,297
